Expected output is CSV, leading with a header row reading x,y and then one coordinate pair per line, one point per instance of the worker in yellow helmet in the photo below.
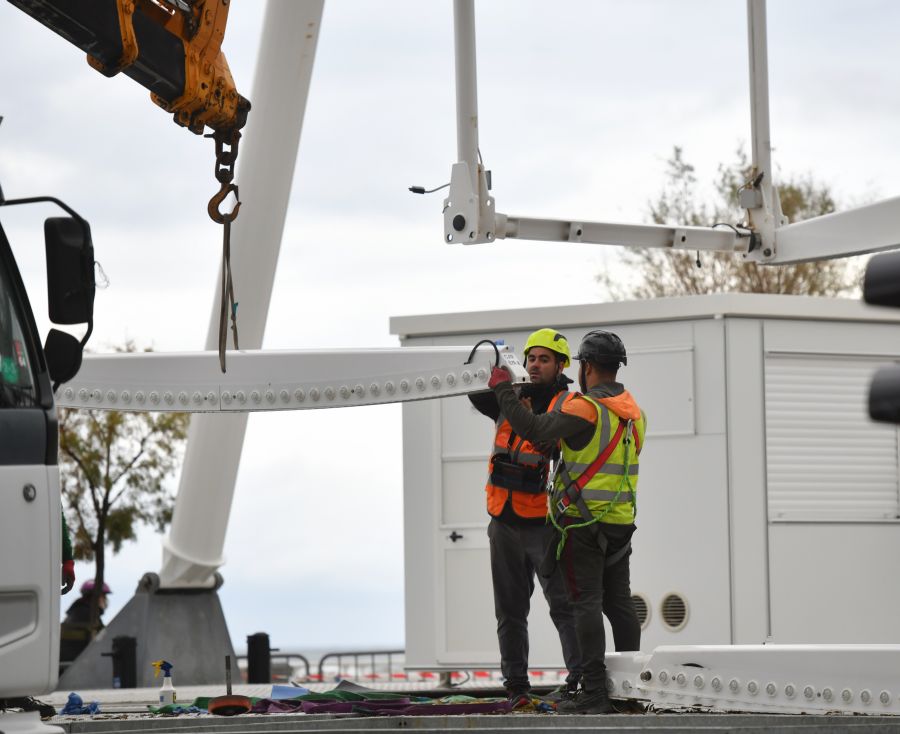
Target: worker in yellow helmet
x,y
601,434
519,535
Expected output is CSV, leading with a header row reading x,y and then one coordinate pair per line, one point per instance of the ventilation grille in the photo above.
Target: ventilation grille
x,y
674,611
642,608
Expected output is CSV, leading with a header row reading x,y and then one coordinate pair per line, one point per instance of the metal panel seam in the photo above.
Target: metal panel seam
x,y
731,593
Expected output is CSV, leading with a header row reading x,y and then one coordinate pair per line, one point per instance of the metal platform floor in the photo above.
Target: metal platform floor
x,y
486,724
125,711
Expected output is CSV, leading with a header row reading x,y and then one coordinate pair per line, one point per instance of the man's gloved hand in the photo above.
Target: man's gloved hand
x,y
546,447
68,576
498,375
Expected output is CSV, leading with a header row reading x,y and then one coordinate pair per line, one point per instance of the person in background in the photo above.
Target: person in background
x,y
601,434
76,630
68,560
518,532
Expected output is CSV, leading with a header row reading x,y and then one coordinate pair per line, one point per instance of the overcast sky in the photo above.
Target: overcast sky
x,y
579,107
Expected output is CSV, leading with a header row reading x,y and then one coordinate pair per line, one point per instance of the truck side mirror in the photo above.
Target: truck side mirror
x,y
63,354
70,270
881,287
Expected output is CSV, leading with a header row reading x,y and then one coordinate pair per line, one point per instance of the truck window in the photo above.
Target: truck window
x,y
17,384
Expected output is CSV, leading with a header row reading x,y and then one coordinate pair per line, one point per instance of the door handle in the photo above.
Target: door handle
x,y
454,536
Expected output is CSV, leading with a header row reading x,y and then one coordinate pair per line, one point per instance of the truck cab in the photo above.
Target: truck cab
x,y
30,508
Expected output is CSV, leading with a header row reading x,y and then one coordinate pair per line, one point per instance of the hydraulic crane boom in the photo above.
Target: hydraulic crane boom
x,y
171,47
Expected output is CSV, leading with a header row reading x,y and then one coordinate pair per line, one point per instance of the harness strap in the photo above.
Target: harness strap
x,y
571,492
618,555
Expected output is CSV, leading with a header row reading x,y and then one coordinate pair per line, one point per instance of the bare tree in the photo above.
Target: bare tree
x,y
678,273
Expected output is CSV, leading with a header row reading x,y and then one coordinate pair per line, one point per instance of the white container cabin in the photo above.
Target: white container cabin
x,y
768,507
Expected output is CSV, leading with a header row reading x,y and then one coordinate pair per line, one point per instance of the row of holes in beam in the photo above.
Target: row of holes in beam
x,y
405,386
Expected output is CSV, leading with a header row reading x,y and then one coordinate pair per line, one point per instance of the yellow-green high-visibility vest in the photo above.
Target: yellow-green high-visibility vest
x,y
610,494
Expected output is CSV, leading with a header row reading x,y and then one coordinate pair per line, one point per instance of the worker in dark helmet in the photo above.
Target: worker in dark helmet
x,y
601,434
518,533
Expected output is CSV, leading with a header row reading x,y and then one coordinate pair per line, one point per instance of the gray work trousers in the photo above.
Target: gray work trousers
x,y
596,589
516,554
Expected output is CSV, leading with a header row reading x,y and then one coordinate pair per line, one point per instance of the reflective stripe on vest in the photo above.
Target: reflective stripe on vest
x,y
608,468
598,494
512,452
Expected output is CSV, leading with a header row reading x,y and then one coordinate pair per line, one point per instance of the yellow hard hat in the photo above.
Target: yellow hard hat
x,y
549,339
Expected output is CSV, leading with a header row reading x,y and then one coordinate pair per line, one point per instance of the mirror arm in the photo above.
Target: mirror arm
x,y
72,213
53,200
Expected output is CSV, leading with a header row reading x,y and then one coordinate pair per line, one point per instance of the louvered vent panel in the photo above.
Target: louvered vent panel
x,y
825,458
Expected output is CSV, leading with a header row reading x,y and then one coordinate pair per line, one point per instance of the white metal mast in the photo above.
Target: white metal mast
x,y
193,549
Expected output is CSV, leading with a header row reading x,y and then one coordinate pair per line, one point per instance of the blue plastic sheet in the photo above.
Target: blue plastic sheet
x,y
75,705
283,693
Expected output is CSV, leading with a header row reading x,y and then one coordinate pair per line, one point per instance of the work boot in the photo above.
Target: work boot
x,y
587,702
561,693
518,695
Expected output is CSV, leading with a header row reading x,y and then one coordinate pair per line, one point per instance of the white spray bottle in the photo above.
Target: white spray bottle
x,y
167,691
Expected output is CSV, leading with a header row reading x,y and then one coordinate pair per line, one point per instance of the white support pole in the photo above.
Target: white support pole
x,y
762,206
466,87
468,208
192,552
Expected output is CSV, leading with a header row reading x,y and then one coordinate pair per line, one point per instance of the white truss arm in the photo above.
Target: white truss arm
x,y
628,235
279,380
787,679
470,216
859,231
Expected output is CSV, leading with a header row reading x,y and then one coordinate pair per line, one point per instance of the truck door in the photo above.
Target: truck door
x,y
30,538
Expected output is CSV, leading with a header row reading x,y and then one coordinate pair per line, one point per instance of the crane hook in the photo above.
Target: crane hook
x,y
216,201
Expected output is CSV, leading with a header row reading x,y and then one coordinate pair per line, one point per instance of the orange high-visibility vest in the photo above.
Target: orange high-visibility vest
x,y
517,471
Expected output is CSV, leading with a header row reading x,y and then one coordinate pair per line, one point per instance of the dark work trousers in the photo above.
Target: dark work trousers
x,y
595,590
516,554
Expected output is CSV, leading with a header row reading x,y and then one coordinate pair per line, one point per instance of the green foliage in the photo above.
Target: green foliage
x,y
114,468
659,273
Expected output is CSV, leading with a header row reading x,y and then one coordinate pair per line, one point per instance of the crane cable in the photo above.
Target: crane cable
x,y
226,157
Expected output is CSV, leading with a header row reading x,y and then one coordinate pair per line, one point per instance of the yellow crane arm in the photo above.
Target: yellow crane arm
x,y
171,47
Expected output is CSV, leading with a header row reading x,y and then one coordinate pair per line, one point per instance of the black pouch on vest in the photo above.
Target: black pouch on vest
x,y
516,477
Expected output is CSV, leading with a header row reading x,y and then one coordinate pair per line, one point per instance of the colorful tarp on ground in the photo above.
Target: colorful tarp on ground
x,y
349,698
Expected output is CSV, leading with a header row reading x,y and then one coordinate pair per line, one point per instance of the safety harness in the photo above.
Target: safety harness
x,y
572,492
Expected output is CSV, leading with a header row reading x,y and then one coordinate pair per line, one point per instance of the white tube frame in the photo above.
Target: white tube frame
x,y
192,551
767,239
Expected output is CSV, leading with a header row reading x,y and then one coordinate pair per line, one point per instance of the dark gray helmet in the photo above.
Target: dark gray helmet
x,y
602,347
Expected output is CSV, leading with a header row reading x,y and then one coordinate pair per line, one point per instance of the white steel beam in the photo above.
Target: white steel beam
x,y
629,235
279,380
776,679
869,228
790,679
193,549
